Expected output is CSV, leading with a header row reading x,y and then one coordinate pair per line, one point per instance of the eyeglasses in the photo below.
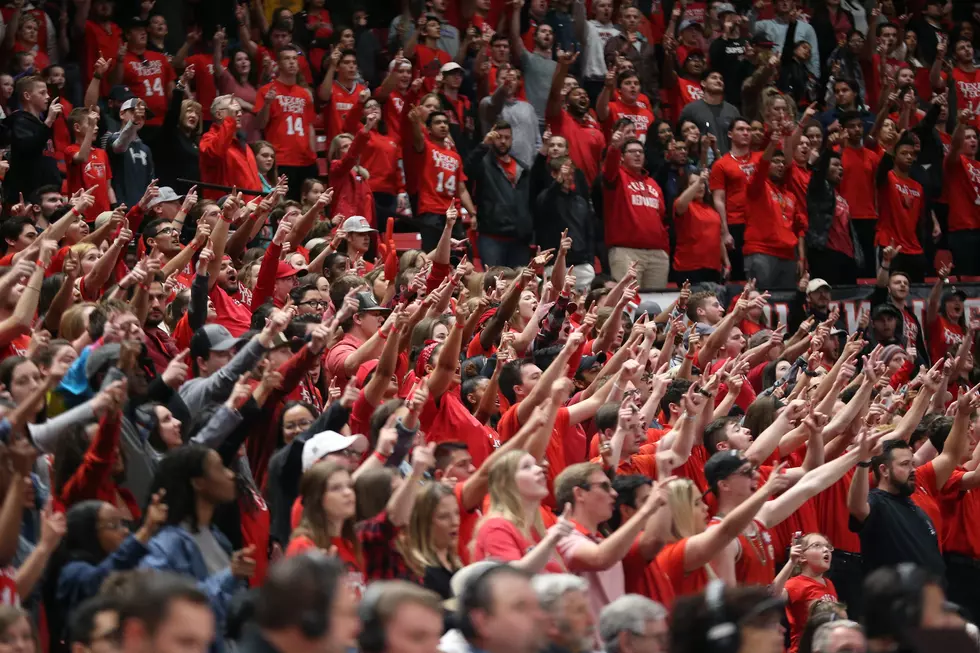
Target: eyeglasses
x,y
301,425
114,525
821,545
163,231
605,486
315,303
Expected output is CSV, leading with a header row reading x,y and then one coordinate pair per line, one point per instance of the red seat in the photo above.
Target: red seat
x,y
406,241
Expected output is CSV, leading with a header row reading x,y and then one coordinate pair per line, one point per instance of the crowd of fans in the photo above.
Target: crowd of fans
x,y
319,338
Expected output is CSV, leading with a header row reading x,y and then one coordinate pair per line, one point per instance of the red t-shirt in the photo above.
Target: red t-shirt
x,y
803,591
942,335
291,118
900,202
646,578
929,496
231,312
698,238
682,93
858,181
732,175
839,237
961,512
450,421
962,181
468,519
639,112
634,207
391,110
498,538
356,577
773,225
585,141
86,174
341,102
833,514
757,563
100,42
149,77
204,86
428,62
670,560
967,89
441,178
872,75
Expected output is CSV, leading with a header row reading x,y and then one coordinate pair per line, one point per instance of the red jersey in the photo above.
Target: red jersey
x,y
967,89
833,514
929,496
500,539
150,76
698,238
86,174
448,420
341,101
382,158
732,174
468,519
440,179
585,141
646,578
858,181
756,563
639,113
802,591
962,179
962,536
205,89
633,207
942,336
291,117
900,202
391,110
100,42
773,226
839,237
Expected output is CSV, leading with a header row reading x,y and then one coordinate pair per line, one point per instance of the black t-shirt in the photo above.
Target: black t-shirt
x,y
726,57
896,531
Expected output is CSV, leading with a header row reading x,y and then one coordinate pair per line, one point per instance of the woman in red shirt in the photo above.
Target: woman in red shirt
x,y
513,529
686,559
809,586
349,179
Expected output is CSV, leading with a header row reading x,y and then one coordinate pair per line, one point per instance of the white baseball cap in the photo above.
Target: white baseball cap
x,y
327,442
357,224
816,284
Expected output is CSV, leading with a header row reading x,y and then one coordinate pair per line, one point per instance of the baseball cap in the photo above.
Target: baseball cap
x,y
167,194
327,442
284,270
721,465
136,21
279,341
886,308
357,224
816,284
211,337
762,41
120,93
688,23
953,291
725,8
132,103
451,67
650,307
367,302
693,53
589,362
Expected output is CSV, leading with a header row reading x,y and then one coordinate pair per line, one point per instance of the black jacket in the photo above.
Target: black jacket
x,y
504,207
32,163
179,155
821,204
556,209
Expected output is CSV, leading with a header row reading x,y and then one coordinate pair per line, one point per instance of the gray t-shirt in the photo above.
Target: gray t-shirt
x,y
215,557
712,118
538,73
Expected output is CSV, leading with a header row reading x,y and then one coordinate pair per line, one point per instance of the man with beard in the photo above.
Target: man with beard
x,y
573,121
892,528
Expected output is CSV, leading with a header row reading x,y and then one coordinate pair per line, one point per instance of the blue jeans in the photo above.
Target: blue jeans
x,y
507,253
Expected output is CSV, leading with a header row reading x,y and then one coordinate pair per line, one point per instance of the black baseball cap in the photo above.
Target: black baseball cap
x,y
953,291
721,465
367,302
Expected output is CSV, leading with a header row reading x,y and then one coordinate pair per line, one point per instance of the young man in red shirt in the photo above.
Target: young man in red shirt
x,y
634,215
626,105
699,253
729,178
423,49
962,180
88,166
284,110
569,116
441,179
339,90
967,77
148,75
774,226
857,185
901,203
103,37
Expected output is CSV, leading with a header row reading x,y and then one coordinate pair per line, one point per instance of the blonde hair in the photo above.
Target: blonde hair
x,y
9,615
186,107
419,551
505,500
682,496
73,321
333,153
81,248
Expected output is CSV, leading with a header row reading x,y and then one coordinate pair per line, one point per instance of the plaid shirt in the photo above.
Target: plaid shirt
x,y
382,559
